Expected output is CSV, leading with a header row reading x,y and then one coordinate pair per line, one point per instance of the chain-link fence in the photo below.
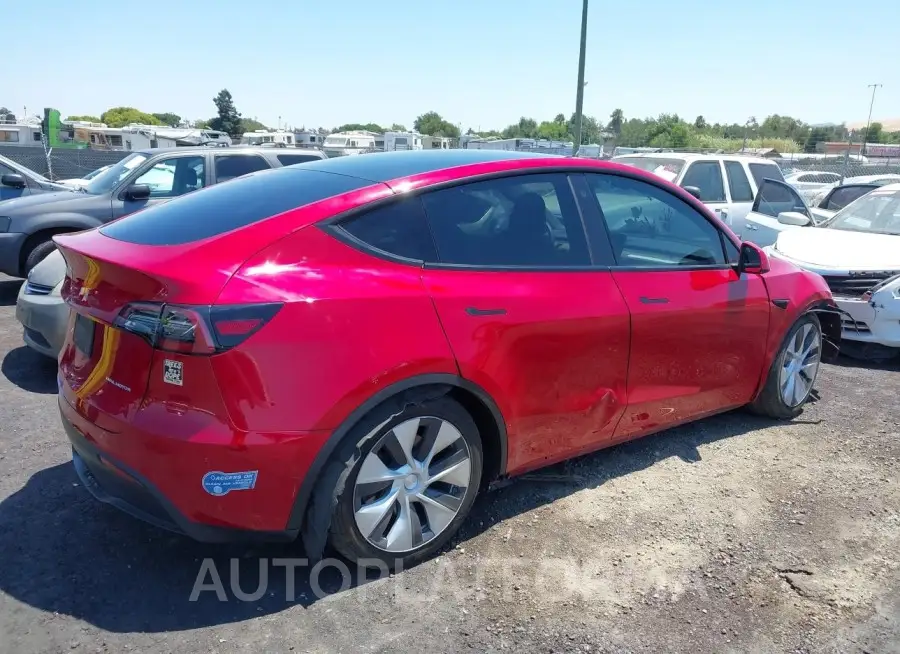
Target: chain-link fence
x,y
60,163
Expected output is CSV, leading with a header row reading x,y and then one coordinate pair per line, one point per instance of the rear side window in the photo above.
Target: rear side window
x,y
762,171
224,207
844,195
706,176
738,183
229,166
399,228
291,159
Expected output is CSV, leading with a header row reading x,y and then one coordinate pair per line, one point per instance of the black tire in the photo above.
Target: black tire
x,y
770,402
344,535
37,254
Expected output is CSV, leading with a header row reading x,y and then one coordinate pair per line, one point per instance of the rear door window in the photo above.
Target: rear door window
x,y
844,195
229,166
738,184
706,176
224,207
291,159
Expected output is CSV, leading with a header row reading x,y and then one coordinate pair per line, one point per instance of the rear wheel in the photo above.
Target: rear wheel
x,y
408,482
794,370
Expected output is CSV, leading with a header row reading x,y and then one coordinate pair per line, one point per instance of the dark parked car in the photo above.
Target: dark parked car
x,y
142,179
17,181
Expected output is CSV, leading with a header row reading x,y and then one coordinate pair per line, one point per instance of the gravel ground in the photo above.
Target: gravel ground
x,y
733,534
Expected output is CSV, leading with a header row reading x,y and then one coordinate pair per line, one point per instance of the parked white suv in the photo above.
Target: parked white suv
x,y
726,183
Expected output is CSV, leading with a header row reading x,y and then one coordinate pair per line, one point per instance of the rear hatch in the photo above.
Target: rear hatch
x,y
143,289
120,294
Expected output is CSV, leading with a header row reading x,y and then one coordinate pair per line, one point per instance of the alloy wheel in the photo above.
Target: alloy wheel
x,y
800,365
412,484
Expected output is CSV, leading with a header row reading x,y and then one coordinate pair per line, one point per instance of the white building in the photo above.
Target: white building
x,y
349,143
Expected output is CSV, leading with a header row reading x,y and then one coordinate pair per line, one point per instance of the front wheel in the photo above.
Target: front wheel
x,y
794,370
408,483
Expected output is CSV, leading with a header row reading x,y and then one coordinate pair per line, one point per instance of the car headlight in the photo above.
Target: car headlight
x,y
882,284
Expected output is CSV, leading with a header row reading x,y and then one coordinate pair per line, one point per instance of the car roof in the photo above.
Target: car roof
x,y
691,156
152,152
386,166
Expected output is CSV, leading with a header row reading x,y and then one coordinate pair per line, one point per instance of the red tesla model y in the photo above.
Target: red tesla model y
x,y
348,350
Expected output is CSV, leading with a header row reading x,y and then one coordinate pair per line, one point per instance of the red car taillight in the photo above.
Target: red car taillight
x,y
194,329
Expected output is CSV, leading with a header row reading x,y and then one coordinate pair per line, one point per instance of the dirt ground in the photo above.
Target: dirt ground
x,y
735,534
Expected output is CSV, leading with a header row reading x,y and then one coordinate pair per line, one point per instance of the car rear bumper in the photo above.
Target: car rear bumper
x,y
881,325
159,480
10,251
45,319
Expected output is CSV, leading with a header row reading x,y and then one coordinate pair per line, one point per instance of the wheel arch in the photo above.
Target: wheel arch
x,y
311,511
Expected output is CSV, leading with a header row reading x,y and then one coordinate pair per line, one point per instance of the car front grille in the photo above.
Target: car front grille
x,y
856,284
37,289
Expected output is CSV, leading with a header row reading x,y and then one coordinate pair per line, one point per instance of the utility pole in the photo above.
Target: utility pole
x,y
579,97
862,148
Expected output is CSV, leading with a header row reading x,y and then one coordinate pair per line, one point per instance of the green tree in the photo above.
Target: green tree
x,y
360,127
121,116
560,118
432,124
200,123
397,127
700,123
168,118
7,115
228,119
251,125
875,133
85,119
616,118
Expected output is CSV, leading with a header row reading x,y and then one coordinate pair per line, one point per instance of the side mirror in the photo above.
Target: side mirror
x,y
693,190
753,260
13,179
793,218
137,192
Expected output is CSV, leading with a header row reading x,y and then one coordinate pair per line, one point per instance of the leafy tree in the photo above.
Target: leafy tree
x,y
875,135
228,119
251,125
560,118
397,127
200,123
700,123
7,114
360,127
432,124
85,119
121,116
168,118
616,118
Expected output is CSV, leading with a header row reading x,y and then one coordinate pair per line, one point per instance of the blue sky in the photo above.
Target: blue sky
x,y
479,63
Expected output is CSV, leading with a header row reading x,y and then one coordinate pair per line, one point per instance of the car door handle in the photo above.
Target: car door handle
x,y
654,300
473,311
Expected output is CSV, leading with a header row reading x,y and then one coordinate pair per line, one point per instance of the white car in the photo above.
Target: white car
x,y
858,254
811,180
726,183
82,181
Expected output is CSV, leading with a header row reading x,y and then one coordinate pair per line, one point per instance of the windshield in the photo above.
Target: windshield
x,y
110,178
664,167
877,212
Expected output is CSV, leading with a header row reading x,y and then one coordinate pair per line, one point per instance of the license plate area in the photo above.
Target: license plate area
x,y
83,335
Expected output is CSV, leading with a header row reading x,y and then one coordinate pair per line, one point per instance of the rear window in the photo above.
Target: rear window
x,y
224,207
761,171
291,159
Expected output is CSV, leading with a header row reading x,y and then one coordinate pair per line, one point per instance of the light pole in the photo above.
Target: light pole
x,y
862,148
579,97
